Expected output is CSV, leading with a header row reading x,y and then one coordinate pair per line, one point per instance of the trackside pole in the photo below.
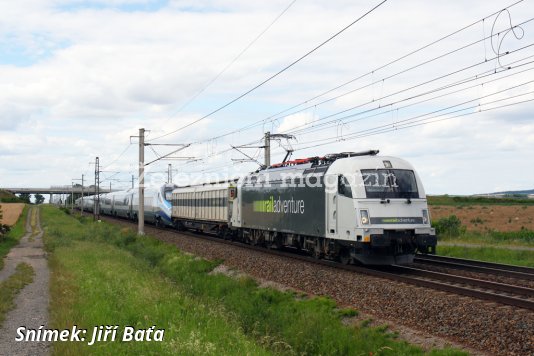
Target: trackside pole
x,y
141,210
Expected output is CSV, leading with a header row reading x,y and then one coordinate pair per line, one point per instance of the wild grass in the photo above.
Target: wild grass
x,y
522,238
10,287
97,284
489,254
104,275
450,229
13,236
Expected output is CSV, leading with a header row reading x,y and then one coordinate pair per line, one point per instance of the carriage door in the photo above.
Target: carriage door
x,y
232,192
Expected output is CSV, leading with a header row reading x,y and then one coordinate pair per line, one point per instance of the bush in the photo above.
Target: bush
x,y
450,226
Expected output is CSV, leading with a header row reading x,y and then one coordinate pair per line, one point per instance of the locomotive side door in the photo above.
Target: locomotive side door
x,y
331,197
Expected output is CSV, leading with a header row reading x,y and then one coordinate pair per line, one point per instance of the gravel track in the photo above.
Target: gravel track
x,y
31,303
486,327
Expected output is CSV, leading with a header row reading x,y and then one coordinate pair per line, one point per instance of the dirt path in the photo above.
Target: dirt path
x,y
32,302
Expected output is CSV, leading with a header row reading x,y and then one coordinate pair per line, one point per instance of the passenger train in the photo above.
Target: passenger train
x,y
125,204
351,207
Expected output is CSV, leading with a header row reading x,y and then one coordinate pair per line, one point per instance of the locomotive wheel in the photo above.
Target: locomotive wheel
x,y
344,257
317,254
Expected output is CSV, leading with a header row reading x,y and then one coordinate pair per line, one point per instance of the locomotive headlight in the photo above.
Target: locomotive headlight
x,y
364,216
426,220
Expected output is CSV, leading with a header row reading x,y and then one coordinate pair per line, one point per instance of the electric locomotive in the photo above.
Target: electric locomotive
x,y
352,207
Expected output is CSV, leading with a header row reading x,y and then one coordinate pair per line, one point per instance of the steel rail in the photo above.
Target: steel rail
x,y
451,278
478,266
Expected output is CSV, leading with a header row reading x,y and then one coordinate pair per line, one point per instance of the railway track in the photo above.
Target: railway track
x,y
511,271
495,292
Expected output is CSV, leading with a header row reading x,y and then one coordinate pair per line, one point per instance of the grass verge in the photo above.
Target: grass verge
x,y
521,238
489,254
10,287
15,234
102,275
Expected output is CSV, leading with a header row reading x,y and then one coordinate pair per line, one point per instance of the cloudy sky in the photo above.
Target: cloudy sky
x,y
445,85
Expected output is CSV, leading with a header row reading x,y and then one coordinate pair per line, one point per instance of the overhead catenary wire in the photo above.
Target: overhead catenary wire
x,y
274,75
224,151
412,121
315,126
410,125
477,76
189,101
418,118
119,156
405,126
373,71
274,116
462,81
496,57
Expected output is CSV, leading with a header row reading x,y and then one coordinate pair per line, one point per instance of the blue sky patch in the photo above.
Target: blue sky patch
x,y
28,51
148,6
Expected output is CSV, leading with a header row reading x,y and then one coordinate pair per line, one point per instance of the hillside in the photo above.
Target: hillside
x,y
8,197
516,192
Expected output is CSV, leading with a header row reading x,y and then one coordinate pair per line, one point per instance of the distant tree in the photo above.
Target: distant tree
x,y
39,199
25,197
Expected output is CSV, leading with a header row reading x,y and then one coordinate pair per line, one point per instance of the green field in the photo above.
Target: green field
x,y
102,275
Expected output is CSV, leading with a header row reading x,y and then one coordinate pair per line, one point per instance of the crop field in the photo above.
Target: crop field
x,y
10,213
13,237
488,229
503,218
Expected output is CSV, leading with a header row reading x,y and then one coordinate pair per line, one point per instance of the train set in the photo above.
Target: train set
x,y
350,207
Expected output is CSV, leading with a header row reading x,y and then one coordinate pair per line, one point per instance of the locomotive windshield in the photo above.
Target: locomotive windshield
x,y
168,193
389,183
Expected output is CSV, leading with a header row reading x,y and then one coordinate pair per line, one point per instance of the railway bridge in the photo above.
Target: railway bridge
x,y
62,190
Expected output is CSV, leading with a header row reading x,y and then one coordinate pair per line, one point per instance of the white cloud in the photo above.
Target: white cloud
x,y
81,77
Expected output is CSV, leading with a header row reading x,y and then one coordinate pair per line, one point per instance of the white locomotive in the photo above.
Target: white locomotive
x,y
354,207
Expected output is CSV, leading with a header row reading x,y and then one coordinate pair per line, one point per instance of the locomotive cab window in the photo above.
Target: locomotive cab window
x,y
343,186
389,183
